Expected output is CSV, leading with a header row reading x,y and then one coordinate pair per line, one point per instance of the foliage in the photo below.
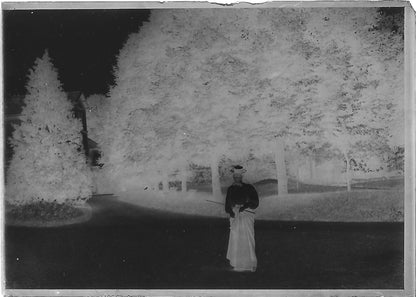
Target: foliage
x,y
200,175
362,81
396,159
48,162
391,21
198,83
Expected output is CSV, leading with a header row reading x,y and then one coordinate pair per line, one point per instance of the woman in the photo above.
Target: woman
x,y
240,202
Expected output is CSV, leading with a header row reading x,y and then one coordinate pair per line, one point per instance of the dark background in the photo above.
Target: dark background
x,y
83,45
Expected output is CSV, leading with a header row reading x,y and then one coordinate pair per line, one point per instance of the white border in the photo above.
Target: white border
x,y
410,113
109,4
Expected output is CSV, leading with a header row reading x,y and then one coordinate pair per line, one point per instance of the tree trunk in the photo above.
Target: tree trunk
x,y
158,180
281,167
312,168
165,182
153,182
297,178
184,175
215,176
347,172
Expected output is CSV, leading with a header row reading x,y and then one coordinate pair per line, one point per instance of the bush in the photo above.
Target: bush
x,y
42,211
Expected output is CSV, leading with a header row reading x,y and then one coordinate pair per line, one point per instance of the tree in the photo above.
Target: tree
x,y
362,82
140,120
233,82
265,116
48,162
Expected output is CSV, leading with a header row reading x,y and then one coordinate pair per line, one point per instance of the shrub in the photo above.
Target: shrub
x,y
42,211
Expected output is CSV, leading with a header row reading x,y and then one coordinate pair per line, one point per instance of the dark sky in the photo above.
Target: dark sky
x,y
83,45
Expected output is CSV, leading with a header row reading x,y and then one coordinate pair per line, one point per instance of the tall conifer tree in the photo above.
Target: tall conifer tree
x,y
49,161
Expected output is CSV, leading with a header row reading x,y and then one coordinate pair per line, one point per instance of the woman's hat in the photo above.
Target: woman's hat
x,y
238,169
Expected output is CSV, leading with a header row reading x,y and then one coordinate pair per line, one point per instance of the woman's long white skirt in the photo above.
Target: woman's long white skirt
x,y
241,245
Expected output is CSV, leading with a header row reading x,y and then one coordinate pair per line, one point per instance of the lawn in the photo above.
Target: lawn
x,y
359,205
125,246
268,187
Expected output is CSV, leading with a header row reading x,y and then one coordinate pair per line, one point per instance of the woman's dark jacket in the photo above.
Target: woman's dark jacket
x,y
245,195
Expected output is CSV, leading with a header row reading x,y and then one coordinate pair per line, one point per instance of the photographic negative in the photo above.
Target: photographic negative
x,y
207,147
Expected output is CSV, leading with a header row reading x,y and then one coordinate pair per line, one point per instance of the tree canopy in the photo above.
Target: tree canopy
x,y
192,83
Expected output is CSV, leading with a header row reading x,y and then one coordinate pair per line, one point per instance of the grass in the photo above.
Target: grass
x,y
268,187
358,205
43,211
380,183
128,247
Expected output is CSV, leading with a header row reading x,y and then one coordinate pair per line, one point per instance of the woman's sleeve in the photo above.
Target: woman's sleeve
x,y
253,203
228,208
